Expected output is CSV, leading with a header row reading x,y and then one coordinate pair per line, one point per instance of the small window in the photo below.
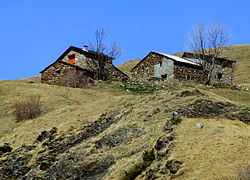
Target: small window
x,y
72,58
58,71
164,76
188,77
219,75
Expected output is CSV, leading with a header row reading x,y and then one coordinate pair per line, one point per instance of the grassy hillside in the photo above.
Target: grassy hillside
x,y
102,132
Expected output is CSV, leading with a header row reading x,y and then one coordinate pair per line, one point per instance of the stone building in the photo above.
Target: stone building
x,y
188,67
81,63
166,67
215,70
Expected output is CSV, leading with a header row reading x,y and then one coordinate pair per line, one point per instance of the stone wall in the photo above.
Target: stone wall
x,y
84,62
184,71
146,67
114,73
59,73
90,64
221,75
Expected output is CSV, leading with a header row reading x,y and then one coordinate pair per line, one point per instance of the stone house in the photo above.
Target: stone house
x,y
166,67
218,71
188,67
84,64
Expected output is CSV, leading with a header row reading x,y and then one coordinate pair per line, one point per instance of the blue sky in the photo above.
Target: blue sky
x,y
34,33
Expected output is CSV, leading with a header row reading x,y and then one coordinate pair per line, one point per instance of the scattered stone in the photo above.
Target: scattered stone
x,y
195,92
173,166
5,148
199,126
168,128
115,138
203,108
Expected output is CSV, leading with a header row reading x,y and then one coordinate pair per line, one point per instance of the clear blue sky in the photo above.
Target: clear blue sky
x,y
34,33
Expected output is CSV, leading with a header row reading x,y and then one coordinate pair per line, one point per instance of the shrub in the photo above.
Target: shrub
x,y
77,80
137,169
27,109
149,155
176,120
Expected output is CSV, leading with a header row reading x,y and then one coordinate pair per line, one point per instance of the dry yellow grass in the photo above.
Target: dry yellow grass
x,y
214,152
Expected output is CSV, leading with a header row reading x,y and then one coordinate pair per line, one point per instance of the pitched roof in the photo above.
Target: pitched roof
x,y
91,54
72,65
179,59
88,53
174,58
196,56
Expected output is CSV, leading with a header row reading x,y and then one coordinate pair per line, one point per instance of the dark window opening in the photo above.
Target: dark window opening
x,y
164,76
219,75
188,77
58,71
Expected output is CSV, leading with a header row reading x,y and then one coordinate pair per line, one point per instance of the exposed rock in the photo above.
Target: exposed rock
x,y
5,148
168,128
89,171
243,116
46,134
173,165
199,126
204,108
115,138
187,93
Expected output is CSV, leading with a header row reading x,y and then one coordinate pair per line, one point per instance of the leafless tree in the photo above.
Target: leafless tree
x,y
77,79
100,46
208,43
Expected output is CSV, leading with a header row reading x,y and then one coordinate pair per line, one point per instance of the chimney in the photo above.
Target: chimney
x,y
85,48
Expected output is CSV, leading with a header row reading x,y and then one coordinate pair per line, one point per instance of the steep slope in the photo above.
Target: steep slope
x,y
99,133
102,132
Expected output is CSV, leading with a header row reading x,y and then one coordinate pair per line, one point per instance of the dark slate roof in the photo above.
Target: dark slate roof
x,y
90,54
72,65
207,57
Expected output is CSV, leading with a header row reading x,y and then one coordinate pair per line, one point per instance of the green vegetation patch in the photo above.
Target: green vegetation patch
x,y
137,169
139,87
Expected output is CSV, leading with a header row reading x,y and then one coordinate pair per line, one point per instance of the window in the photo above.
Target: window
x,y
58,71
72,58
188,77
219,75
164,76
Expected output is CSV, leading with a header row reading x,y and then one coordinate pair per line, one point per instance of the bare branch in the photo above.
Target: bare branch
x,y
218,37
115,50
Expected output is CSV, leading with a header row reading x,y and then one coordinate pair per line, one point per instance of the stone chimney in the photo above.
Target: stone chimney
x,y
85,48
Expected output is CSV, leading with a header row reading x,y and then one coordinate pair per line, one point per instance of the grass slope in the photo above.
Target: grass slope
x,y
214,152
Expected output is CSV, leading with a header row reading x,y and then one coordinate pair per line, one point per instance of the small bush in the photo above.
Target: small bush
x,y
176,120
149,155
137,169
77,80
27,109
